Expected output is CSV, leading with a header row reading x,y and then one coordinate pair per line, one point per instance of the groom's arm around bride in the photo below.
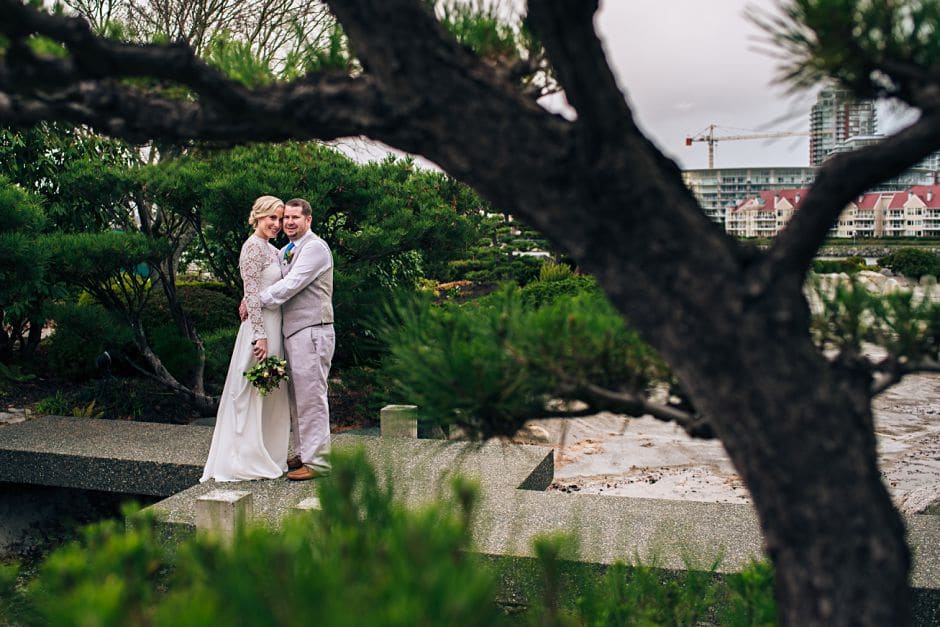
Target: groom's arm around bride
x,y
305,295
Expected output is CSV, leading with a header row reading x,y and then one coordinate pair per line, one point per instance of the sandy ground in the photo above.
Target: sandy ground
x,y
642,457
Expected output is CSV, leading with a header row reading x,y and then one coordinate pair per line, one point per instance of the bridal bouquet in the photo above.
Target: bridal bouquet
x,y
267,374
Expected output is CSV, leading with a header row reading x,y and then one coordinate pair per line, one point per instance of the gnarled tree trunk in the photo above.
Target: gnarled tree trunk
x,y
730,320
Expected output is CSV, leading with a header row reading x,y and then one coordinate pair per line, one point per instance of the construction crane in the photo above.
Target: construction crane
x,y
708,135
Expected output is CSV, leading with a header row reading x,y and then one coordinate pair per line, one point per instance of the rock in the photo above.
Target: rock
x,y
872,281
532,434
923,500
14,415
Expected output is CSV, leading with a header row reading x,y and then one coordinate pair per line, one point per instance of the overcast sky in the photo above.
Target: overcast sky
x,y
685,64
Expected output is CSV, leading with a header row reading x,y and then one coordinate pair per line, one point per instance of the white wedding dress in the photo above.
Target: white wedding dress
x,y
251,431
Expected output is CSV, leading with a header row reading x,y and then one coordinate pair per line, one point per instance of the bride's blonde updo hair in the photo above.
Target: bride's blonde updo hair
x,y
264,206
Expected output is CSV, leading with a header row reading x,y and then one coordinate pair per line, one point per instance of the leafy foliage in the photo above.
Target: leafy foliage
x,y
852,42
113,267
24,278
500,254
37,158
387,223
218,347
905,323
912,262
847,265
82,332
363,550
539,293
209,309
489,365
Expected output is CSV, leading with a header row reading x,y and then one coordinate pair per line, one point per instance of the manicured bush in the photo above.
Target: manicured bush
x,y
539,293
176,352
208,308
849,265
491,364
912,262
218,345
82,332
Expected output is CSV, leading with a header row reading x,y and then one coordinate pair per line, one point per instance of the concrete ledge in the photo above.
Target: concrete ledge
x,y
419,470
167,460
108,455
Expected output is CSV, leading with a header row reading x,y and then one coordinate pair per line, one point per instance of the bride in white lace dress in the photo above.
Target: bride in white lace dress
x,y
251,431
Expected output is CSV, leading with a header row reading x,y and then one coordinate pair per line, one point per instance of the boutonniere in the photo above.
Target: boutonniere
x,y
289,253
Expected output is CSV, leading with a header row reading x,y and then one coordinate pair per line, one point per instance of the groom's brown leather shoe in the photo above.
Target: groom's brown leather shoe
x,y
294,463
305,473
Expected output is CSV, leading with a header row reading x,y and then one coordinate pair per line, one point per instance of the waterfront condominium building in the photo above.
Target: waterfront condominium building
x,y
718,190
913,212
834,118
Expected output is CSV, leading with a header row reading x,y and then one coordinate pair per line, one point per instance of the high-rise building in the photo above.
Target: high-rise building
x,y
834,118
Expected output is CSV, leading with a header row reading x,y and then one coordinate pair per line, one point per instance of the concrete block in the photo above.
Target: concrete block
x,y
221,511
399,421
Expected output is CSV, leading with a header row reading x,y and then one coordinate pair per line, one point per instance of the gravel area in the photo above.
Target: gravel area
x,y
643,457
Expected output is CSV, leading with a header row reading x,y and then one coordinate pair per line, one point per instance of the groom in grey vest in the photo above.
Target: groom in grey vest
x,y
305,295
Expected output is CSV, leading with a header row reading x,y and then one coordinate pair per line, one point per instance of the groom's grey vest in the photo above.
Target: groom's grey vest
x,y
312,305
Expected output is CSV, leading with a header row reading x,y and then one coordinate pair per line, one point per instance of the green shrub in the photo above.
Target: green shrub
x,y
748,598
363,560
912,262
363,550
540,293
56,405
492,265
82,332
849,265
551,271
218,345
177,353
491,364
208,308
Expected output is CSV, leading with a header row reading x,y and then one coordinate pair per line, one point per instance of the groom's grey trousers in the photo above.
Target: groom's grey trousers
x,y
310,354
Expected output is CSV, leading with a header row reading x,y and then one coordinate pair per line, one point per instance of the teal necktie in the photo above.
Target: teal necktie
x,y
289,252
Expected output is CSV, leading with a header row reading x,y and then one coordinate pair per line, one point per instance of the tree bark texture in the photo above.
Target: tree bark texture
x,y
730,320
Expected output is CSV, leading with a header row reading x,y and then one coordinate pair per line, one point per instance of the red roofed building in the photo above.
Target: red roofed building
x,y
763,215
911,213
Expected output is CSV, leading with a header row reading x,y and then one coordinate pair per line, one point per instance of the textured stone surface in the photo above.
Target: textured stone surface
x,y
222,511
399,421
109,455
142,458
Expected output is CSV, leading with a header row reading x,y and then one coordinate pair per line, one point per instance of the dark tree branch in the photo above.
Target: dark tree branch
x,y
892,369
566,28
564,415
842,179
695,425
80,88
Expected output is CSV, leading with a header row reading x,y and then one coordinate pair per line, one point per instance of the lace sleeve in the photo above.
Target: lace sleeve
x,y
254,258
